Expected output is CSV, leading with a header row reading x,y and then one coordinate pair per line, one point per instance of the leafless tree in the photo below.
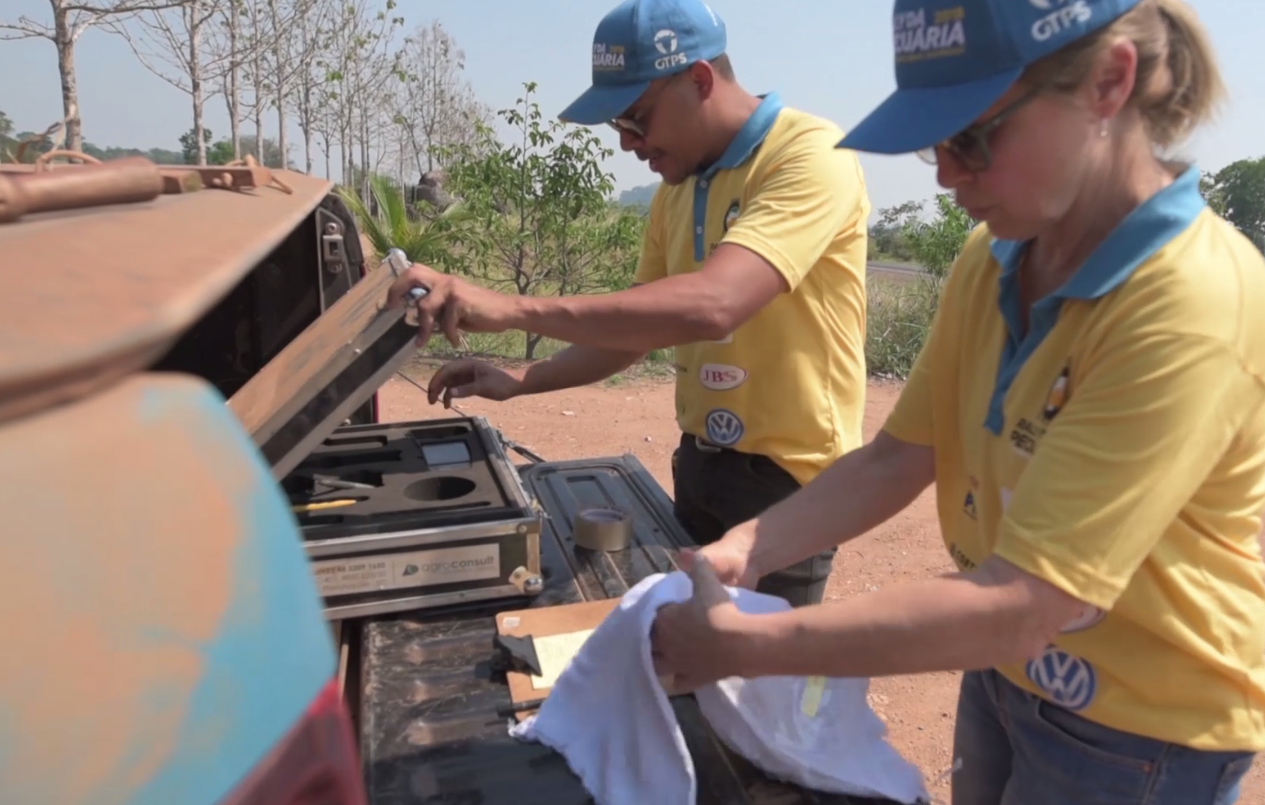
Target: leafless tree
x,y
306,79
70,19
358,61
437,106
232,44
170,43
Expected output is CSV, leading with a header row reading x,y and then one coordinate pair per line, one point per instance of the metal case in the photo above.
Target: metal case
x,y
445,520
390,523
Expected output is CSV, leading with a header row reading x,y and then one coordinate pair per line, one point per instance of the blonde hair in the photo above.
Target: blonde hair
x,y
1178,86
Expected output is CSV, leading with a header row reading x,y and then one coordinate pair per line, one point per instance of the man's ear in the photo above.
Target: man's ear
x,y
703,77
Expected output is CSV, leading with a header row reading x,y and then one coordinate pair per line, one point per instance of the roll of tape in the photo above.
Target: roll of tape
x,y
603,528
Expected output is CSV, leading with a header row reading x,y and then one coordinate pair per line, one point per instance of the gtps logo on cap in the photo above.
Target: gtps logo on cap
x,y
666,43
1063,15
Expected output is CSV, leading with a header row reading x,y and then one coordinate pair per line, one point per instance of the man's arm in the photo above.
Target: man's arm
x,y
803,204
812,195
705,305
572,367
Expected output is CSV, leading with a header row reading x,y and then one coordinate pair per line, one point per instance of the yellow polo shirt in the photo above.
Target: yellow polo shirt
x,y
1118,452
790,382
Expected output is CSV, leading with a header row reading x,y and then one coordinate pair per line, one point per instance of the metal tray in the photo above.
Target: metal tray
x,y
445,518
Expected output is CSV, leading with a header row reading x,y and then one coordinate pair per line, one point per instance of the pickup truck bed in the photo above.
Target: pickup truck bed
x,y
428,700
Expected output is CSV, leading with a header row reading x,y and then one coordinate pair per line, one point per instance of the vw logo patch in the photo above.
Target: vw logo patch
x,y
1068,681
724,428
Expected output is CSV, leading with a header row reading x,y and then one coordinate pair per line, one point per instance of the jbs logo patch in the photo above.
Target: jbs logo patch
x,y
721,377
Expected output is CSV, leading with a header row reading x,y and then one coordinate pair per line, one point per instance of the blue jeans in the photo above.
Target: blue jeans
x,y
1018,749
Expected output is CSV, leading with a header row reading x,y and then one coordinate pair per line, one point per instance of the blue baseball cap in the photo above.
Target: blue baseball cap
x,y
639,41
956,58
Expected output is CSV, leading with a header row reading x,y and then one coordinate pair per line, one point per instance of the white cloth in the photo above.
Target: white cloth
x,y
609,717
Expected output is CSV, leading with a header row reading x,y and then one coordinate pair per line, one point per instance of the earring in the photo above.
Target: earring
x,y
1104,128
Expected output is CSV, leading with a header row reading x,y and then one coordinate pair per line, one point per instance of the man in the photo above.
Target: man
x,y
753,267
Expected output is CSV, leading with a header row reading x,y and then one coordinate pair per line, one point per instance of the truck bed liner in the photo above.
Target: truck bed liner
x,y
430,733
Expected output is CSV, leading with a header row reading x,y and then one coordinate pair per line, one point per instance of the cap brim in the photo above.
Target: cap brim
x,y
913,119
600,104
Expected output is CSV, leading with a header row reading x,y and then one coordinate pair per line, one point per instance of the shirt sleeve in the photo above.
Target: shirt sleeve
x,y
1148,423
911,418
652,263
811,193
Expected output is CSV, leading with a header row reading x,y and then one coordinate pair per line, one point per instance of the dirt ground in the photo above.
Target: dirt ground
x,y
636,416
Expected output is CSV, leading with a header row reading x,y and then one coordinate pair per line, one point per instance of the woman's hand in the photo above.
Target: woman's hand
x,y
693,643
730,557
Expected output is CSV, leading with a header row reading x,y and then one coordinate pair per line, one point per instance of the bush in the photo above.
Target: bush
x,y
898,320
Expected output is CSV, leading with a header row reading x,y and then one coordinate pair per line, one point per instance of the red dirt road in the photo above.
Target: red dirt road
x,y
636,416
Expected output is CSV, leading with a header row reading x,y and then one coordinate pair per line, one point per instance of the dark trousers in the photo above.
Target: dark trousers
x,y
716,489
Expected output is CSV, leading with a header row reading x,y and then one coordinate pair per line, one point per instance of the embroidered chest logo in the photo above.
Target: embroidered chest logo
x,y
1056,397
731,214
1028,432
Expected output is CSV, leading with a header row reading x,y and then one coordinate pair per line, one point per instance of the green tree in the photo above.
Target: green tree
x,y
7,143
887,239
543,220
1237,193
935,244
220,152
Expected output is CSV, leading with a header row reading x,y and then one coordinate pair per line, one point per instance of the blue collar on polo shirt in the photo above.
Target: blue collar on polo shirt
x,y
739,150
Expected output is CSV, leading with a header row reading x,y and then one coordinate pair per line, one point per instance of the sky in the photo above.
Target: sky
x,y
829,57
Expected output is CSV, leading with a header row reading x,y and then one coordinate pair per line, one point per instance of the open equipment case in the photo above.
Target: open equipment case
x,y
417,533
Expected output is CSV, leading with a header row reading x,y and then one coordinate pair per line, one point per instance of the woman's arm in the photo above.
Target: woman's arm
x,y
993,615
858,492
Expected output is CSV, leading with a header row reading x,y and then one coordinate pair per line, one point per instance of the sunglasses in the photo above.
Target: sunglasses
x,y
635,124
970,146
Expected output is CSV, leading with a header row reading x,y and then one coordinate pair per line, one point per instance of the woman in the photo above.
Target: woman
x,y
1091,407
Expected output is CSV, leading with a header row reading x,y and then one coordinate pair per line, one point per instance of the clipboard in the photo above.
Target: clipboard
x,y
557,632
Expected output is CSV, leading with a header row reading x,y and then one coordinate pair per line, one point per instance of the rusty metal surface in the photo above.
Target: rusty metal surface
x,y
327,371
93,294
119,181
430,733
162,628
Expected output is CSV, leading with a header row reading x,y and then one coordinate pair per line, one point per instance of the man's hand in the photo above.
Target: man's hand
x,y
471,378
452,305
691,642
